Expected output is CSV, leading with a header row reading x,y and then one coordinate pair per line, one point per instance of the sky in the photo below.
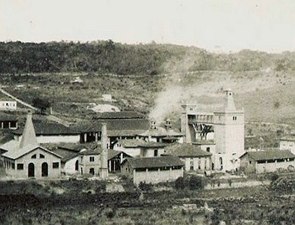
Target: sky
x,y
215,25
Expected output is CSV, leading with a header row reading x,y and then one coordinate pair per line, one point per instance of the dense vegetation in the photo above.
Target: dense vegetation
x,y
116,58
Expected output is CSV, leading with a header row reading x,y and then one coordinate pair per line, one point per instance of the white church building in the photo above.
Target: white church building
x,y
223,128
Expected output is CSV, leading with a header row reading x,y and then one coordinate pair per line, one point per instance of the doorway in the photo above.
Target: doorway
x,y
31,170
44,169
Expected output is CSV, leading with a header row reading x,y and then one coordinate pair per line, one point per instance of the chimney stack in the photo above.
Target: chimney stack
x,y
104,152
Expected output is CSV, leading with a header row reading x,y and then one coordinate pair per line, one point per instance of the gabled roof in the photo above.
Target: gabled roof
x,y
130,143
112,153
186,150
15,154
269,155
119,115
66,154
154,162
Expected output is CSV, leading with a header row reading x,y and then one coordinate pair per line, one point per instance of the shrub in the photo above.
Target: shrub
x,y
179,183
144,186
195,183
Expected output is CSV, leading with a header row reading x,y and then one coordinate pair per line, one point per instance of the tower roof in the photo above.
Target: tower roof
x,y
29,135
229,101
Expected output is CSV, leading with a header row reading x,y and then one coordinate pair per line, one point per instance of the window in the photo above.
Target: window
x,y
42,156
34,156
208,149
156,152
234,118
13,166
20,166
55,165
91,159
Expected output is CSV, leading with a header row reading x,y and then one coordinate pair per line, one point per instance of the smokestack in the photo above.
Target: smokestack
x,y
104,152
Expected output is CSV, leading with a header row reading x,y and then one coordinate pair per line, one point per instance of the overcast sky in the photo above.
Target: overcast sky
x,y
216,25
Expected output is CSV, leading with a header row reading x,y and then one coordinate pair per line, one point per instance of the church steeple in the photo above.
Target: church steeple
x,y
29,135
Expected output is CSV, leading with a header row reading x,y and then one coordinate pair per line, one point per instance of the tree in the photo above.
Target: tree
x,y
179,183
42,104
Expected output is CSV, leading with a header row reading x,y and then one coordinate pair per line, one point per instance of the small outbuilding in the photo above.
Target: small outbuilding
x,y
266,161
194,158
153,169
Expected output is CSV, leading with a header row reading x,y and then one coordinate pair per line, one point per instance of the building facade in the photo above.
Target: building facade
x,y
224,127
153,170
267,161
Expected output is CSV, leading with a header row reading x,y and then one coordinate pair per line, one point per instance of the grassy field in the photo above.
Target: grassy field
x,y
35,203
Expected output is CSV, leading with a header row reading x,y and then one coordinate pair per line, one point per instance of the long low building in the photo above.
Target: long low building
x,y
267,161
194,158
153,169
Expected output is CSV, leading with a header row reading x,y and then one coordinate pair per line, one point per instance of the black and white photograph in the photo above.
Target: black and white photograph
x,y
147,112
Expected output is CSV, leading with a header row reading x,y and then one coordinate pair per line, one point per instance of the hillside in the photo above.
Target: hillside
x,y
153,79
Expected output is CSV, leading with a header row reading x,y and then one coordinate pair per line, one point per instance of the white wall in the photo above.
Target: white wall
x,y
49,159
8,105
287,145
196,162
272,167
156,176
69,167
150,152
229,139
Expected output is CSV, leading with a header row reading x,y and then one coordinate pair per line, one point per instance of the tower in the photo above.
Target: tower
x,y
228,134
188,115
104,152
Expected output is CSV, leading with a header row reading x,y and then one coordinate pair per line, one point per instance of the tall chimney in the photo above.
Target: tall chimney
x,y
104,152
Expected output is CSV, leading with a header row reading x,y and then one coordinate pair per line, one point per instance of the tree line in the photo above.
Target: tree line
x,y
110,57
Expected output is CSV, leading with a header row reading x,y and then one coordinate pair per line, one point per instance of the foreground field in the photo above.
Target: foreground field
x,y
39,203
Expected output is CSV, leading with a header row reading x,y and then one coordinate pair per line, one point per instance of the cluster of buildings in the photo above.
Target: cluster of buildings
x,y
129,144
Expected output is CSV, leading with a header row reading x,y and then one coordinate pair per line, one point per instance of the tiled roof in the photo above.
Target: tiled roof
x,y
154,162
288,138
130,143
204,142
119,115
160,132
186,150
123,133
49,128
112,153
152,145
66,154
269,154
135,126
10,145
7,117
